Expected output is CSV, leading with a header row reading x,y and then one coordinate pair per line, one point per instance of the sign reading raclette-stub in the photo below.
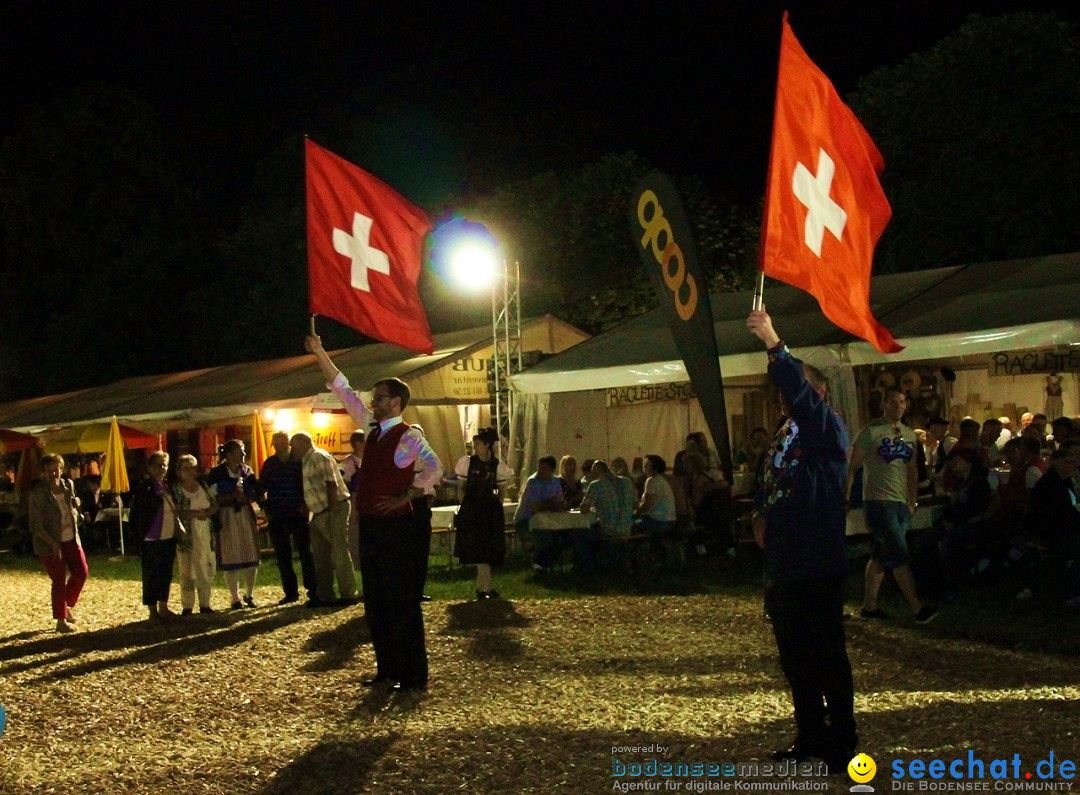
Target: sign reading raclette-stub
x,y
1045,360
648,393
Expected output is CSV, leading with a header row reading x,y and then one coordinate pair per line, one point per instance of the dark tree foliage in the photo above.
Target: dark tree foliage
x,y
95,225
578,260
981,139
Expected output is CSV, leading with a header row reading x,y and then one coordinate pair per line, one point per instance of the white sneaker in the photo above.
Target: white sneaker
x,y
71,616
63,626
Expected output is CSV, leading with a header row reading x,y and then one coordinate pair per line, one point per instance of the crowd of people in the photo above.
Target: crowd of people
x,y
1007,504
688,504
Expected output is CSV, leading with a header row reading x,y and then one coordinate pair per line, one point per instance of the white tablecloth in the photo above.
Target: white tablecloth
x,y
561,520
442,518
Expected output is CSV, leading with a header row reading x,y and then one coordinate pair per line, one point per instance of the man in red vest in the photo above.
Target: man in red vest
x,y
386,484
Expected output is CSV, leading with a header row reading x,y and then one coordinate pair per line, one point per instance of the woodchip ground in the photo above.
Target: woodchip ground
x,y
525,696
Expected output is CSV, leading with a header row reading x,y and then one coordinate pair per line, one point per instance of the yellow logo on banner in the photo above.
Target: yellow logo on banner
x,y
656,227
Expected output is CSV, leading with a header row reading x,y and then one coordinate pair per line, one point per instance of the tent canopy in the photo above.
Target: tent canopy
x,y
234,391
945,313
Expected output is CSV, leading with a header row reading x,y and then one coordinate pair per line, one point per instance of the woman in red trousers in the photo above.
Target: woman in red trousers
x,y
53,514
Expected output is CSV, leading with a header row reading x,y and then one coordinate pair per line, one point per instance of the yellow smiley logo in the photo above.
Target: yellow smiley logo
x,y
861,768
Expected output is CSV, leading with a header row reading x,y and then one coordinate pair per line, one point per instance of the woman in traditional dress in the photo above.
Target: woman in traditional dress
x,y
53,516
156,520
480,523
234,487
195,552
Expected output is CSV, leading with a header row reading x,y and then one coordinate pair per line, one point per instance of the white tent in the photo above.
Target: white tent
x,y
449,391
955,317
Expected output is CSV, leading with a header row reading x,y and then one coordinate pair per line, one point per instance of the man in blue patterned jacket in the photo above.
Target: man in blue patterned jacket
x,y
800,523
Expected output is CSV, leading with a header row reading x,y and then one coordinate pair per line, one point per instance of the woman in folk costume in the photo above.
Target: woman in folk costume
x,y
480,523
156,520
234,487
52,511
195,552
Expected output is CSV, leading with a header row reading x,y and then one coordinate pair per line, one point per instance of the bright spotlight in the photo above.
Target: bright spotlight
x,y
472,265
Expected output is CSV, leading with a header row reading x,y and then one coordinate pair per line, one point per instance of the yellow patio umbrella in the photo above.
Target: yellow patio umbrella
x,y
114,477
258,453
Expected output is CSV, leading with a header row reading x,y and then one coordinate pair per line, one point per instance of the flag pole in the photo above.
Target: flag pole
x,y
759,291
313,326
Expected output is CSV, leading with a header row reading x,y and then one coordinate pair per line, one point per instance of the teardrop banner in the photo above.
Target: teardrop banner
x,y
663,239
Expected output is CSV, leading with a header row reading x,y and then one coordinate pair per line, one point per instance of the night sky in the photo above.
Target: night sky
x,y
467,96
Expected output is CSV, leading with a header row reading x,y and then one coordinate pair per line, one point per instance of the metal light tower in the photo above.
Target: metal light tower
x,y
506,334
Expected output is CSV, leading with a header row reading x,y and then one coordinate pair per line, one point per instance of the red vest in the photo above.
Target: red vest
x,y
379,476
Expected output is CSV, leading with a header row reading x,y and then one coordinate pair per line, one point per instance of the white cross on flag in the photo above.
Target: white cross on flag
x,y
824,207
364,243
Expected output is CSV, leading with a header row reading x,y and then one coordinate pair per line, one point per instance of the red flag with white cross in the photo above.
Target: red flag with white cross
x,y
824,206
364,243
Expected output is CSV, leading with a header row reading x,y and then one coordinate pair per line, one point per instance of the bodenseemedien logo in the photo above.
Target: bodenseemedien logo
x,y
862,770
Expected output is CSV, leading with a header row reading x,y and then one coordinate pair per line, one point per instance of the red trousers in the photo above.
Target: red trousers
x,y
65,589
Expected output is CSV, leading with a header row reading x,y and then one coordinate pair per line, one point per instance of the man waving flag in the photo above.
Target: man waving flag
x,y
364,243
824,207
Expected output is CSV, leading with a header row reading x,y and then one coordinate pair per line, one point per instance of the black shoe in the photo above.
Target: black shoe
x,y
349,601
926,615
237,605
316,603
288,600
378,680
425,598
798,751
492,594
481,596
878,614
186,611
249,601
207,610
408,687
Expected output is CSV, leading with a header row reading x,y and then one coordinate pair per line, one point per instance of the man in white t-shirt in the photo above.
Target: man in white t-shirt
x,y
886,450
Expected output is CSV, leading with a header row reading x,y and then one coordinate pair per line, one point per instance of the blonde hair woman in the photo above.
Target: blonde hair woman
x,y
155,519
52,512
195,553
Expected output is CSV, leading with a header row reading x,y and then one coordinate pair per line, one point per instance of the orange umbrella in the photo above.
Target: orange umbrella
x,y
12,441
29,467
258,452
94,438
114,476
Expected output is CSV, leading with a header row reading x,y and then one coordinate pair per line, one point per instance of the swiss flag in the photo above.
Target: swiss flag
x,y
364,243
824,206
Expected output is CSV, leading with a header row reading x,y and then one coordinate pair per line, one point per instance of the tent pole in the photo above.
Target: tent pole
x,y
120,519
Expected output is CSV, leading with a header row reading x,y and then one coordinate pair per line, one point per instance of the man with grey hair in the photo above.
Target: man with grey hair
x,y
327,498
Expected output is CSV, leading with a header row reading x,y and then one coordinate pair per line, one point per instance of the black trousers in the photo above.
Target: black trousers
x,y
283,532
808,622
157,558
422,525
388,554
